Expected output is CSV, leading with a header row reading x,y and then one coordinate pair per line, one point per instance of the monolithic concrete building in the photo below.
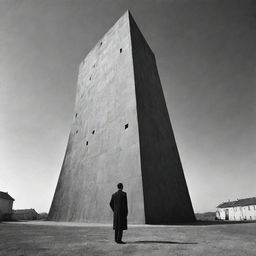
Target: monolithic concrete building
x,y
121,132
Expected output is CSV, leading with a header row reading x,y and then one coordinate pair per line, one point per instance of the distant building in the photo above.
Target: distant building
x,y
25,214
242,209
6,203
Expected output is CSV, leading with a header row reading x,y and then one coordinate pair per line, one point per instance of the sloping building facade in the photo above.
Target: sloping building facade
x,y
121,132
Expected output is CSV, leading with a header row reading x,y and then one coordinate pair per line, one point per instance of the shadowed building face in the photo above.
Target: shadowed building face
x,y
121,132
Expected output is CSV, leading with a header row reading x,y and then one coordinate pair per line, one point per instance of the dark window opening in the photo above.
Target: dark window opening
x,y
93,131
121,50
100,43
86,143
76,115
90,78
126,126
76,131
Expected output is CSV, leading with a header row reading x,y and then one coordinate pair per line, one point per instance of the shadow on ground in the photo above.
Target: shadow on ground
x,y
158,242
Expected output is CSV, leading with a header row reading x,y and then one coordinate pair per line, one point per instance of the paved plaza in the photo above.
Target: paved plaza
x,y
76,239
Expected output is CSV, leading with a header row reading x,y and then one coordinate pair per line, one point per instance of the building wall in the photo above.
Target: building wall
x,y
105,104
121,132
25,216
237,213
6,206
165,190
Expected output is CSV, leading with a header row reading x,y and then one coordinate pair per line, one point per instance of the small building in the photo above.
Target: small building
x,y
25,214
241,209
6,203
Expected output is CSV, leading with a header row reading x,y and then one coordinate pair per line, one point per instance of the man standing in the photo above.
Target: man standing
x,y
118,204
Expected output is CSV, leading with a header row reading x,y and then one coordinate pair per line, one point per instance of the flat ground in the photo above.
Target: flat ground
x,y
44,238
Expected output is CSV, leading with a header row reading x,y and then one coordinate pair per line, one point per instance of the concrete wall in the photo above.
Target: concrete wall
x,y
165,191
118,86
105,103
6,206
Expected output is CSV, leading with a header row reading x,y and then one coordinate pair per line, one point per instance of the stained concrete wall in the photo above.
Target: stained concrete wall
x,y
118,85
105,104
166,197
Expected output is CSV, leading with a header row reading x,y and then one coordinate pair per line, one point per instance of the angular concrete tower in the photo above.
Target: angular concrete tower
x,y
121,132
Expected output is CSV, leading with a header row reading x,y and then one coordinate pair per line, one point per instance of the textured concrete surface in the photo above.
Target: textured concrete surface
x,y
105,103
212,240
117,136
165,190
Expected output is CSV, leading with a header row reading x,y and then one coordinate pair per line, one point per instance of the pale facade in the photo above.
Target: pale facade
x,y
243,209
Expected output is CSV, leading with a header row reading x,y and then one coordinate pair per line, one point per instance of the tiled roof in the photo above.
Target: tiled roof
x,y
239,202
6,196
24,211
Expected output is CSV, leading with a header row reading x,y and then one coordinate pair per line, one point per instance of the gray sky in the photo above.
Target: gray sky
x,y
206,56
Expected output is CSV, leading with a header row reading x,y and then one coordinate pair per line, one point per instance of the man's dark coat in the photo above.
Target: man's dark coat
x,y
118,204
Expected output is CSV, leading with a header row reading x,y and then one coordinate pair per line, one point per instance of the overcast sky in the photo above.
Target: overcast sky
x,y
206,56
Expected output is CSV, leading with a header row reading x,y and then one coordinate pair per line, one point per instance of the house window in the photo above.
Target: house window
x,y
126,126
90,78
249,208
76,115
93,131
121,50
87,143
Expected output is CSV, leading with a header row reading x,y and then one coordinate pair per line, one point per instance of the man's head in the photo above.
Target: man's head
x,y
120,186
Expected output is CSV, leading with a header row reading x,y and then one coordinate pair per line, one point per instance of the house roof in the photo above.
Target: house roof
x,y
6,196
24,211
239,202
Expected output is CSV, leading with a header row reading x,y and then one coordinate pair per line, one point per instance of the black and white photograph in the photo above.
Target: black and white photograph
x,y
127,127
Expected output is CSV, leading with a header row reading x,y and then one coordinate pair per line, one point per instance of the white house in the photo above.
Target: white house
x,y
241,209
6,203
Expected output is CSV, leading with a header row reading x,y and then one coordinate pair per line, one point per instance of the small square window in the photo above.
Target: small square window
x,y
121,50
126,126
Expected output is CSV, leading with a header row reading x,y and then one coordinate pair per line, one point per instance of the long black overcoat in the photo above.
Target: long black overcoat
x,y
118,204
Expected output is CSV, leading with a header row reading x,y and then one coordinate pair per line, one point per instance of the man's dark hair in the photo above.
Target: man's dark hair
x,y
120,186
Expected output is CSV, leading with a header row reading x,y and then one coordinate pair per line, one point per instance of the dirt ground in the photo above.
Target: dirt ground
x,y
44,238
